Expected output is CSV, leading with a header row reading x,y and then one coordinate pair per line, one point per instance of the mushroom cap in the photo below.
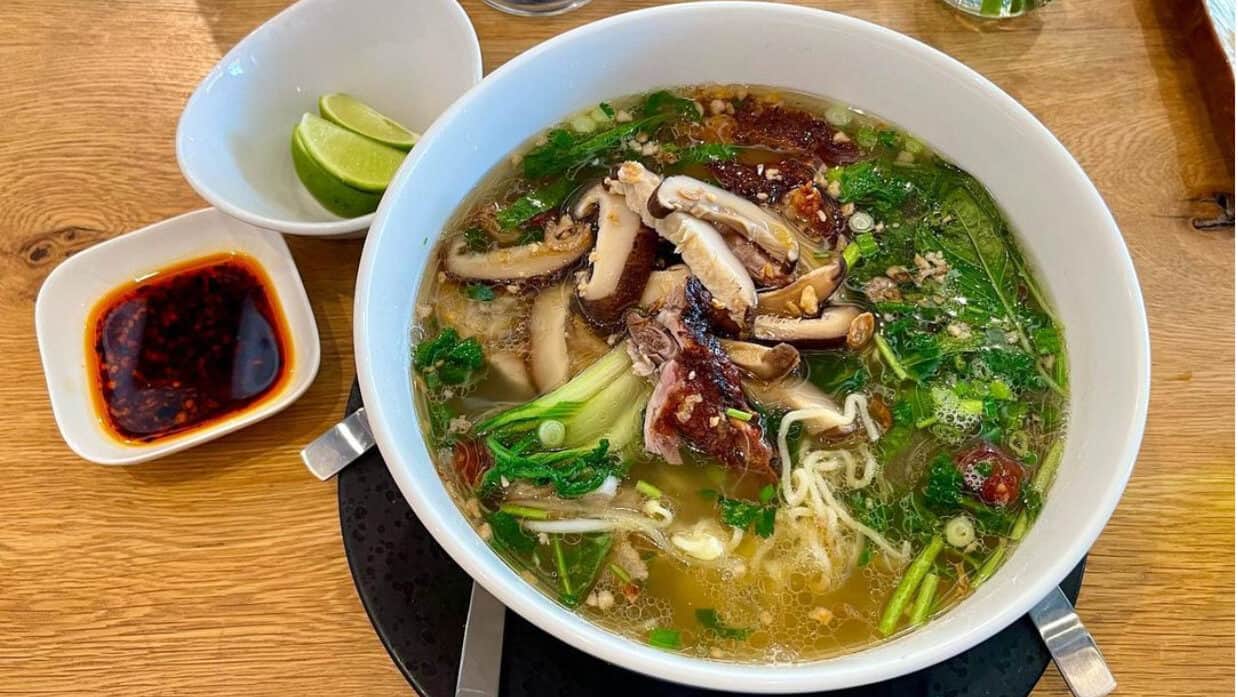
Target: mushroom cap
x,y
760,361
705,252
795,393
620,262
717,205
564,244
824,281
828,329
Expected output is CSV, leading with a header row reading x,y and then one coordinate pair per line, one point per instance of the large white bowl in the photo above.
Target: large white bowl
x,y
1065,227
409,60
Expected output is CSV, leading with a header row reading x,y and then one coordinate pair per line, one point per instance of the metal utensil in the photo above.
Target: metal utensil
x,y
1073,649
339,447
482,651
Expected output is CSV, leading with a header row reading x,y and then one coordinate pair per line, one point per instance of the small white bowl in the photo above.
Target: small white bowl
x,y
409,60
62,312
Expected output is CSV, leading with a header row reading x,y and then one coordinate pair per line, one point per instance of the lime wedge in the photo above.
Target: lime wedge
x,y
334,195
353,159
356,116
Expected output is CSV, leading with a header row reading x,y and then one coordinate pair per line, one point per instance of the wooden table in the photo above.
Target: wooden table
x,y
220,571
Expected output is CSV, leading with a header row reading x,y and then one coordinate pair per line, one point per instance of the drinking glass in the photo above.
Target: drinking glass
x,y
993,9
535,8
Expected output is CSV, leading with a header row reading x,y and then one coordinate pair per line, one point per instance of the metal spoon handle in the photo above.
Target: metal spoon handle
x,y
1073,649
336,449
481,656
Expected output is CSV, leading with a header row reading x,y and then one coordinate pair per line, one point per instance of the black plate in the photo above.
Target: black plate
x,y
417,599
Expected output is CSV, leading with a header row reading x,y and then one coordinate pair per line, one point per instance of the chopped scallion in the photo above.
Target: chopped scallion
x,y
648,489
664,638
862,222
851,254
739,414
551,433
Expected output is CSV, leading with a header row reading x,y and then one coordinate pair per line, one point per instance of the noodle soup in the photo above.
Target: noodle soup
x,y
742,374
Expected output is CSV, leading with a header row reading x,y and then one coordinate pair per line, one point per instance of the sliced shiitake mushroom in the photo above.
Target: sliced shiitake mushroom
x,y
662,284
705,252
762,362
790,300
549,360
565,243
636,184
621,261
828,329
795,393
717,205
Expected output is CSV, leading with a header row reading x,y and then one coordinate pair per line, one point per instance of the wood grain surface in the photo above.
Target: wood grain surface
x,y
220,571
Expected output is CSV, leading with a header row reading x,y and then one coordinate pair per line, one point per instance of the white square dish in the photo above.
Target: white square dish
x,y
64,305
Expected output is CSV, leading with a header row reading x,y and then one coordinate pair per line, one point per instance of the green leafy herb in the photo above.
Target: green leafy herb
x,y
709,618
870,510
945,487
1047,340
918,353
767,493
871,184
534,203
607,109
664,638
837,372
440,422
578,564
663,103
1014,367
481,292
866,554
562,152
703,152
743,514
506,535
890,139
476,240
573,472
447,359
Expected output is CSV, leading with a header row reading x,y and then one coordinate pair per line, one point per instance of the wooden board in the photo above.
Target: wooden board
x,y
220,571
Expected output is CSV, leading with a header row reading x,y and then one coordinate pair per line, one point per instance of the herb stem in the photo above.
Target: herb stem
x,y
924,600
527,512
910,581
888,354
990,564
